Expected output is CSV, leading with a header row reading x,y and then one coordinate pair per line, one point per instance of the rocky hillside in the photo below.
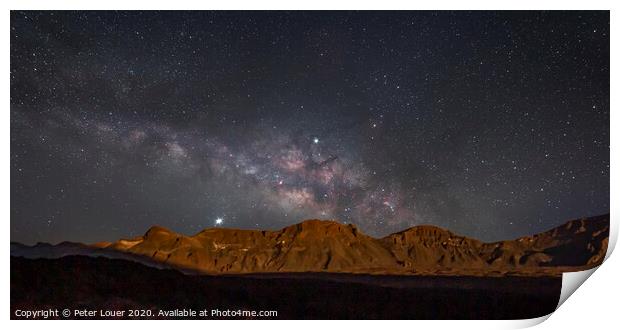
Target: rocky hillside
x,y
578,243
312,245
328,246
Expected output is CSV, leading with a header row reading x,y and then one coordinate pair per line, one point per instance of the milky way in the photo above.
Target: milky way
x,y
490,124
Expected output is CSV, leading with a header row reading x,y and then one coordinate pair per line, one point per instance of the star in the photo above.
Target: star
x,y
402,141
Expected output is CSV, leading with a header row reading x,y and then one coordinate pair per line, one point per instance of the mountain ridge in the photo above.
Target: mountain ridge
x,y
329,246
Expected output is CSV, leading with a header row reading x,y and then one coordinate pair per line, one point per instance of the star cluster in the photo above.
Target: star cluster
x,y
491,124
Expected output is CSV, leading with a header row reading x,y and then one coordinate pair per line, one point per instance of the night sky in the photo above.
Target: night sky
x,y
491,124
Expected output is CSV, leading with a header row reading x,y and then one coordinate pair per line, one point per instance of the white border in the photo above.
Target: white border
x,y
594,306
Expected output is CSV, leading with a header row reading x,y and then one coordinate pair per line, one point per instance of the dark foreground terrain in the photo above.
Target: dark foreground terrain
x,y
79,282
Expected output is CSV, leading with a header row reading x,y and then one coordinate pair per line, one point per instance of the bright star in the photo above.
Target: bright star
x,y
315,140
219,221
